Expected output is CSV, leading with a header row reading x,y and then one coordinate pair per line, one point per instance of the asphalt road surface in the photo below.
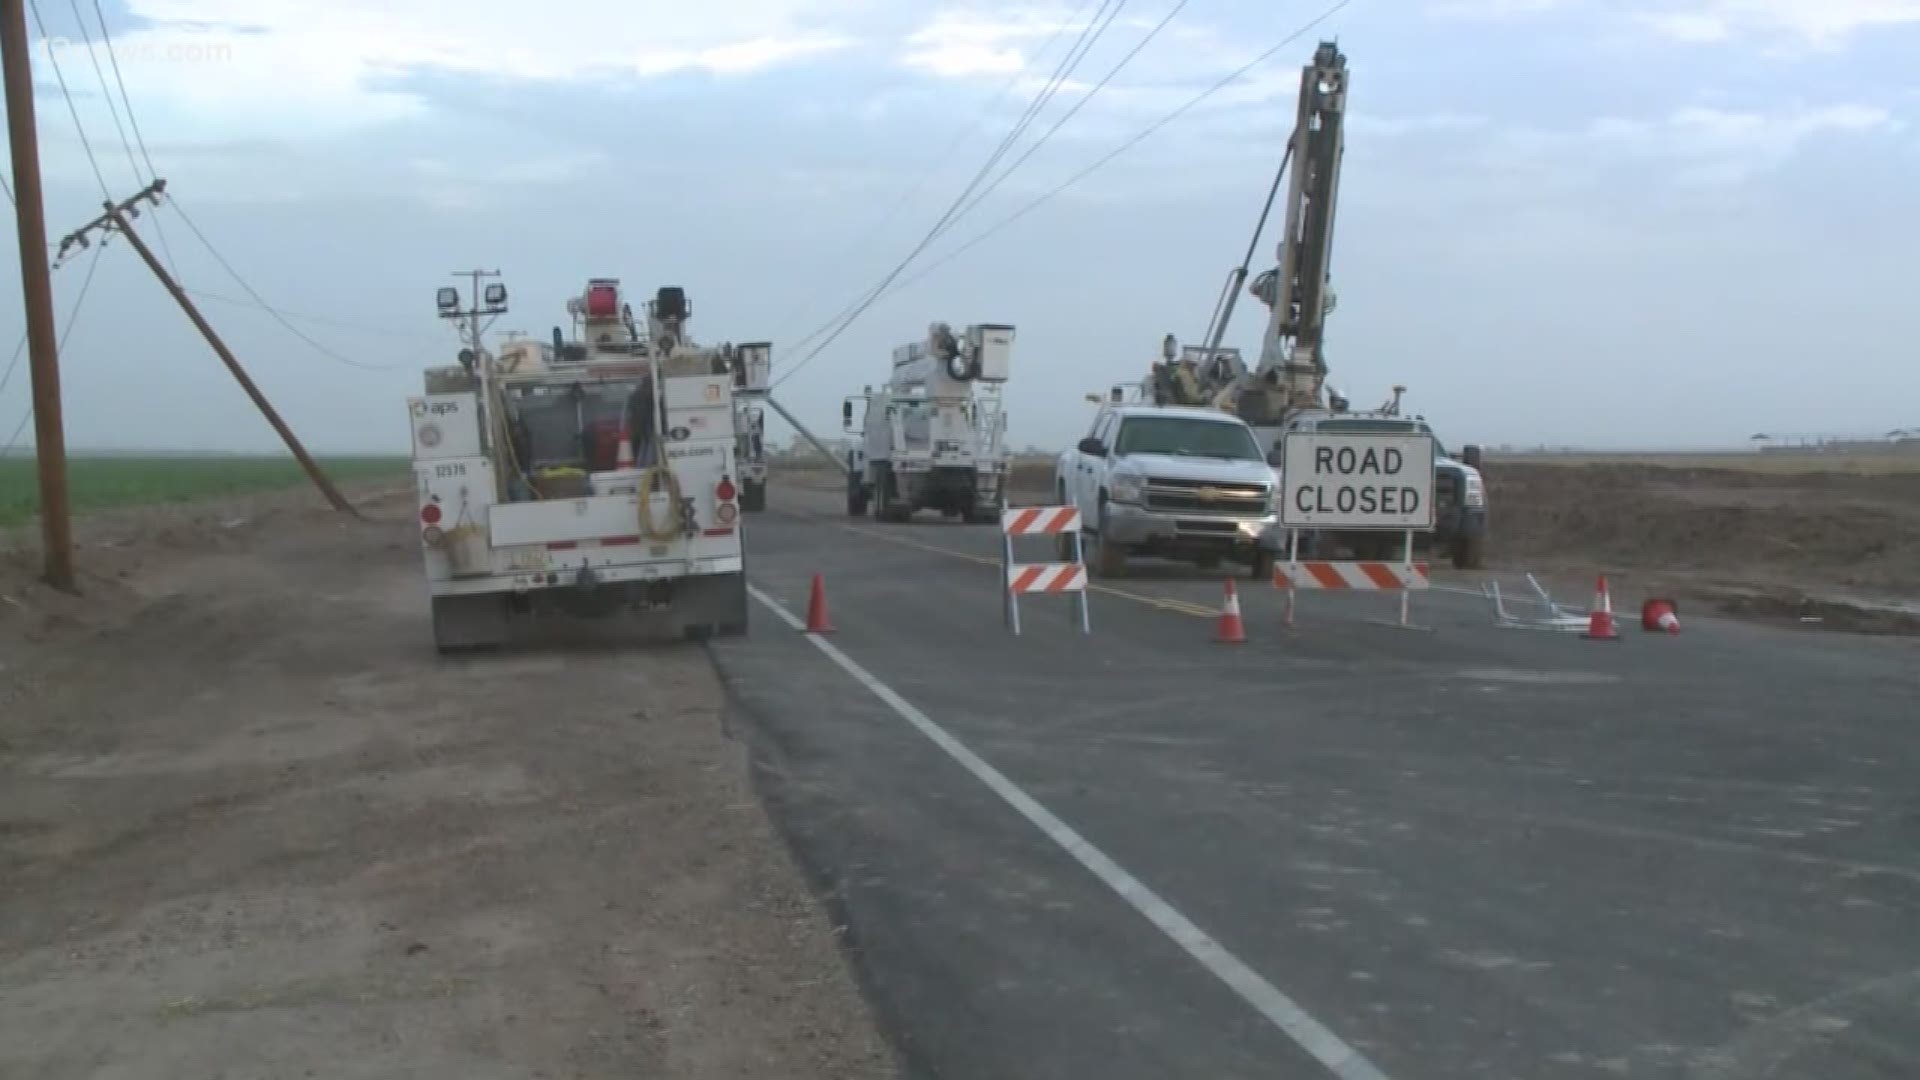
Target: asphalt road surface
x,y
1345,849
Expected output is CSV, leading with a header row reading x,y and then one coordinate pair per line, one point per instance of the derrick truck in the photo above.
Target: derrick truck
x,y
1287,391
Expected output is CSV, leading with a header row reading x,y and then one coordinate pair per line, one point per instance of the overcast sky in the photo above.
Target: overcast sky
x,y
1593,222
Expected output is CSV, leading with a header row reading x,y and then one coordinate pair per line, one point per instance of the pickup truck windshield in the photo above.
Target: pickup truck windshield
x,y
1185,436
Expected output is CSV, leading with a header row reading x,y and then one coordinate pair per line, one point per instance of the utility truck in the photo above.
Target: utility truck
x,y
1287,390
934,437
593,479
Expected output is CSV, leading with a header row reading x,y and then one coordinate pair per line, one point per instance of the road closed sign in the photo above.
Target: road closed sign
x,y
1357,480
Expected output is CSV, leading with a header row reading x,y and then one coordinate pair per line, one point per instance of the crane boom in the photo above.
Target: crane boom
x,y
1293,362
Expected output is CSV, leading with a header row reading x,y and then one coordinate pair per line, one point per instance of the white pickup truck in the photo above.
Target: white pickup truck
x,y
1171,482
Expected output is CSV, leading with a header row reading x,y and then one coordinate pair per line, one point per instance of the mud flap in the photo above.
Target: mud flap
x,y
713,605
469,622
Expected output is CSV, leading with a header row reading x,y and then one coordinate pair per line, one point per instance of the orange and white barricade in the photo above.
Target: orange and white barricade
x,y
1403,576
1051,523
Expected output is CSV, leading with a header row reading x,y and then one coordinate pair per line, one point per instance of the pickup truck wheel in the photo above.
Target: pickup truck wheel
x,y
1104,559
1470,552
887,504
1262,569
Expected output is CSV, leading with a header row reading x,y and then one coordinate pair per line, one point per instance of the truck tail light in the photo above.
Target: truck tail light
x,y
725,491
430,514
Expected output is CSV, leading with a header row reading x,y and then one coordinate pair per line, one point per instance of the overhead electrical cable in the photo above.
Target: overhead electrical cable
x,y
1069,114
53,58
959,136
1075,54
261,301
139,140
60,348
1138,138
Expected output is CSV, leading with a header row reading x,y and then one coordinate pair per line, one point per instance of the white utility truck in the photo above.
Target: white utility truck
x,y
935,434
752,364
593,478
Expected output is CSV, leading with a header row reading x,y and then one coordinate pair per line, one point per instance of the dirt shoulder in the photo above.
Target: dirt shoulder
x,y
252,825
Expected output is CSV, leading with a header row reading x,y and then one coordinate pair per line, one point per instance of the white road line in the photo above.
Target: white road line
x,y
1314,1037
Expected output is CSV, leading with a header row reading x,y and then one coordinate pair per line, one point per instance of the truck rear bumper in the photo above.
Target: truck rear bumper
x,y
560,577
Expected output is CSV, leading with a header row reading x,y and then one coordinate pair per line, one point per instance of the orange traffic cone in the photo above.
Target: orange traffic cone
x,y
817,609
1659,614
1231,631
1600,622
623,456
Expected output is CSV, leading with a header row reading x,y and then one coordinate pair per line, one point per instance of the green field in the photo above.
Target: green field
x,y
104,481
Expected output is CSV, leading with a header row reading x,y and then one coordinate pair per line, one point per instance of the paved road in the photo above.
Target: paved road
x,y
1345,850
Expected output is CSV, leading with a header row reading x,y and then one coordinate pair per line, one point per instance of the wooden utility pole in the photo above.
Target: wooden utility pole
x,y
115,218
36,284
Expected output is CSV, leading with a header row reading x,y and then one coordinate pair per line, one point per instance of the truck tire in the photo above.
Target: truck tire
x,y
887,504
1470,552
753,496
1103,559
1262,569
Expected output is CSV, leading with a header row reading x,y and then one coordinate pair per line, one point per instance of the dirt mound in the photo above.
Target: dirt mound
x,y
1810,530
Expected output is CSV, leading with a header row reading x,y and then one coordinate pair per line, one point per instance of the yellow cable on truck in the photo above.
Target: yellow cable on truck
x,y
646,502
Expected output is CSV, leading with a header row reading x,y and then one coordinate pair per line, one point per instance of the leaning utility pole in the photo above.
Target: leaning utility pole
x,y
36,284
115,219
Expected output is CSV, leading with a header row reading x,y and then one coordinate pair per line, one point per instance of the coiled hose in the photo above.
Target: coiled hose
x,y
647,478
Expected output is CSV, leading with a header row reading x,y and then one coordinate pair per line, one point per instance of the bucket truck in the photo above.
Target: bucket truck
x,y
1287,390
934,436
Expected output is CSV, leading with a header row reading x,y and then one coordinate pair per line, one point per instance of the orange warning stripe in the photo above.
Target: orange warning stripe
x,y
1366,576
1039,520
1047,578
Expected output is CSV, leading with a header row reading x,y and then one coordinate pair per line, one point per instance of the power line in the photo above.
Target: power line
x,y
107,91
60,347
324,320
1122,148
54,59
262,301
131,121
1069,114
1077,52
106,39
927,174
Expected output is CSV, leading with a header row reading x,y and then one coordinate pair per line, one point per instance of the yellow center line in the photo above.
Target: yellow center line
x,y
1183,607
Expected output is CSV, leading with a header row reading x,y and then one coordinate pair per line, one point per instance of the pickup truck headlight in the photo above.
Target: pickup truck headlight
x,y
1126,488
1475,494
